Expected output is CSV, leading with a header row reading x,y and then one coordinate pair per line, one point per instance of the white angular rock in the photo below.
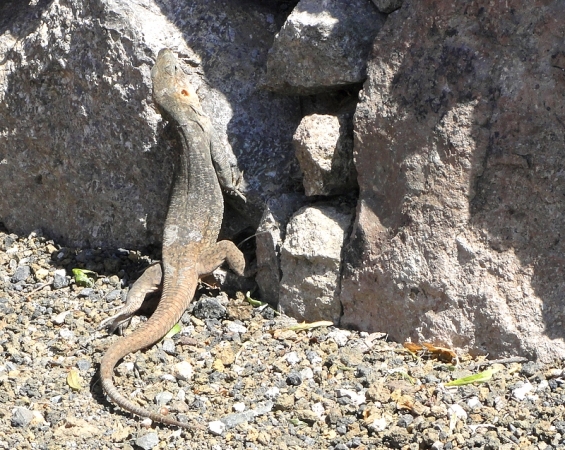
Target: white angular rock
x,y
311,264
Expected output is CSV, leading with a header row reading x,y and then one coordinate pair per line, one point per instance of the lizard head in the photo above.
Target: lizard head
x,y
171,86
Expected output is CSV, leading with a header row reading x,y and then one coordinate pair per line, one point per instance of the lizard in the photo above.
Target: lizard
x,y
192,226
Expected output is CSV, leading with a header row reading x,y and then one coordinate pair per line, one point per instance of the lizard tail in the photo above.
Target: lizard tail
x,y
171,307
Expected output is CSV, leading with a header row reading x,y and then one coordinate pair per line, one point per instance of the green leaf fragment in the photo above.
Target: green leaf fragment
x,y
84,278
298,423
175,330
253,302
480,377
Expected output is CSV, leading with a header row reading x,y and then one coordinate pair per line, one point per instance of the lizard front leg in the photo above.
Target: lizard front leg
x,y
148,282
229,175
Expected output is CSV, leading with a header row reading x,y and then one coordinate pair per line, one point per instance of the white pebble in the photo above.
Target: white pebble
x,y
319,410
474,402
542,386
169,346
239,407
272,393
378,424
66,334
183,371
520,393
60,318
306,373
216,427
340,337
292,358
357,398
457,411
233,327
162,398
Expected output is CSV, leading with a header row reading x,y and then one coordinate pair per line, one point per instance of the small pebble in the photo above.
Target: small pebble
x,y
216,427
21,417
292,358
239,407
340,337
294,379
86,292
520,392
163,398
147,441
60,279
183,371
272,393
21,274
169,346
234,327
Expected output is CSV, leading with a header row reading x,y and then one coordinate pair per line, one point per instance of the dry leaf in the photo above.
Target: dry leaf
x,y
73,380
443,353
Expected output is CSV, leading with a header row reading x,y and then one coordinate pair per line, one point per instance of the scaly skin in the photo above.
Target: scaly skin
x,y
191,229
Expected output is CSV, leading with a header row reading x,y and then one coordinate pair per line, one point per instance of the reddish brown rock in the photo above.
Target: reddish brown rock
x,y
460,151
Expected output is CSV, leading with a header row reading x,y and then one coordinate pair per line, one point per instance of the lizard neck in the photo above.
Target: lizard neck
x,y
196,204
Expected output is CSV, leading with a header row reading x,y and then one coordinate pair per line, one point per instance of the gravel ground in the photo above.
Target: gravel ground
x,y
240,372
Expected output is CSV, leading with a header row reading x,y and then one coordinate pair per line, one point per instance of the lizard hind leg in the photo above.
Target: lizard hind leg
x,y
148,282
214,256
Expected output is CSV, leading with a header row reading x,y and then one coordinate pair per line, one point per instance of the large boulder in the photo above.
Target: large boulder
x,y
459,148
83,152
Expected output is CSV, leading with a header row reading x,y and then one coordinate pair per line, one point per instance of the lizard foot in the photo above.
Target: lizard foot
x,y
148,282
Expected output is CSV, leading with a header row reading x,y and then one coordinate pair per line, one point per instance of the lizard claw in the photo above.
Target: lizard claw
x,y
235,188
111,324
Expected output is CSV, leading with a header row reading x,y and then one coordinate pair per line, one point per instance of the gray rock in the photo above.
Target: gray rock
x,y
270,236
311,263
5,307
232,420
21,417
323,46
78,123
388,6
147,441
324,149
21,274
456,239
60,279
209,308
169,346
9,240
114,295
86,292
83,364
163,398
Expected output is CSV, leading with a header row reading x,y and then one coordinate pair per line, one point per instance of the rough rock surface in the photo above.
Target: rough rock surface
x,y
322,45
311,263
83,153
324,149
460,158
387,6
269,240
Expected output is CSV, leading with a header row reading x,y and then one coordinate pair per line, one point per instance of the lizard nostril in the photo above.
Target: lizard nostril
x,y
184,92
